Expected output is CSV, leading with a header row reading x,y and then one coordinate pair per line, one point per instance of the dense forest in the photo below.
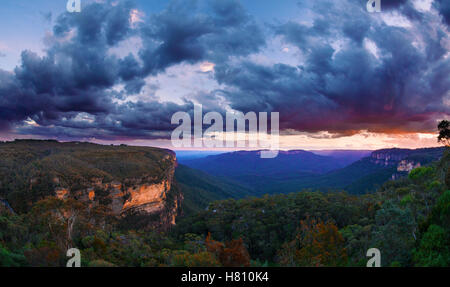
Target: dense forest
x,y
353,171
407,219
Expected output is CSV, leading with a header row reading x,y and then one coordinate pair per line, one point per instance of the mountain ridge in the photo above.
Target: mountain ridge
x,y
360,176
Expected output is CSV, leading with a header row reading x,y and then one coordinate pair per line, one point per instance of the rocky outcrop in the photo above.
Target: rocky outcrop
x,y
389,157
144,196
128,180
407,165
405,160
147,198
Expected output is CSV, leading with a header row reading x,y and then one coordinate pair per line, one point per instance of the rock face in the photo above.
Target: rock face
x,y
389,157
129,181
405,160
407,165
146,196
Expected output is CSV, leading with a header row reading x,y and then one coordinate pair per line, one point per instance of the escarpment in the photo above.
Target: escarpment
x,y
131,182
405,160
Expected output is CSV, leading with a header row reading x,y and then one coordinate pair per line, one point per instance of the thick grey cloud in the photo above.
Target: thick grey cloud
x,y
184,33
401,86
355,72
444,8
149,120
70,90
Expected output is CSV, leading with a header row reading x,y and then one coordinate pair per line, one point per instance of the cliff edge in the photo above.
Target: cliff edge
x,y
129,181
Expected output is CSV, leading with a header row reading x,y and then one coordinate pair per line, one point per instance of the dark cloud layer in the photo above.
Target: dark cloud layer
x,y
400,87
444,9
77,75
183,34
341,84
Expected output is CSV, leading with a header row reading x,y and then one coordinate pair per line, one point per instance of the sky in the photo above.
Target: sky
x,y
339,76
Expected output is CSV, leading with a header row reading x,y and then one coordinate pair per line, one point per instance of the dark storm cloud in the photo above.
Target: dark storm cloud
x,y
79,89
186,33
390,4
129,68
98,24
344,90
356,29
135,86
69,91
444,9
148,120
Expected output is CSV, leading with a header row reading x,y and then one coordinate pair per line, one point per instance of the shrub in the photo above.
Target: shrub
x,y
420,173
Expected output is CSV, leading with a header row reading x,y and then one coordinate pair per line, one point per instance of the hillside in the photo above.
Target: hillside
x,y
249,163
289,174
200,189
345,156
126,180
371,172
407,219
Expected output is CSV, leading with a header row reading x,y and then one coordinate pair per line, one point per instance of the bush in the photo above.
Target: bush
x,y
433,250
202,259
9,259
101,263
420,173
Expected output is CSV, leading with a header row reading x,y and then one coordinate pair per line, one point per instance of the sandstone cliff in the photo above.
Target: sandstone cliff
x,y
145,196
130,181
405,160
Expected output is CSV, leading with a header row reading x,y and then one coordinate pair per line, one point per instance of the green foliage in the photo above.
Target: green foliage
x,y
406,199
434,185
316,244
389,219
357,242
101,263
407,219
200,189
434,248
10,259
441,212
202,259
444,132
421,173
265,224
394,233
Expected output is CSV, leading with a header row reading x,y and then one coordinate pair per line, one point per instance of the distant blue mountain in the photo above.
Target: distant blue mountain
x,y
292,171
245,163
347,157
183,156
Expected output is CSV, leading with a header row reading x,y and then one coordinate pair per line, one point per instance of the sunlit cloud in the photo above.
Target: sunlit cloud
x,y
207,67
136,16
396,19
